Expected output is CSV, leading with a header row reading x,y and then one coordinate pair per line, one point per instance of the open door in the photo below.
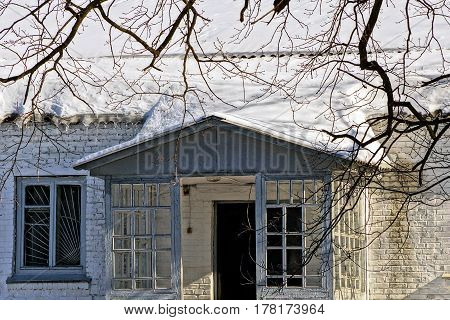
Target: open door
x,y
235,251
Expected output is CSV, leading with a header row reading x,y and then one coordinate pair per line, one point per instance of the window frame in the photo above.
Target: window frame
x,y
161,293
51,272
284,247
267,292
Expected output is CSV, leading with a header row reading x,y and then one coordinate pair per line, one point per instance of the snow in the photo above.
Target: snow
x,y
281,101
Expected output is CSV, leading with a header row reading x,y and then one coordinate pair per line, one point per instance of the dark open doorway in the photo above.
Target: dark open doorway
x,y
235,251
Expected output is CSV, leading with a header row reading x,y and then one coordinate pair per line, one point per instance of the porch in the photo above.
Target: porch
x,y
169,197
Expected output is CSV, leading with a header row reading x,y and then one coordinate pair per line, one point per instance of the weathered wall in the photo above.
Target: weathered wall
x,y
56,156
410,259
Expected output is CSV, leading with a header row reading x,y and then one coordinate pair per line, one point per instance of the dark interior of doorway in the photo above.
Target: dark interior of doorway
x,y
235,251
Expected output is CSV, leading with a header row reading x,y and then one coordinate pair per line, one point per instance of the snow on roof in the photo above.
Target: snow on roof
x,y
278,100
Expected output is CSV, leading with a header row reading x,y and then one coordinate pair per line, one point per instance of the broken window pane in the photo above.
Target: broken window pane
x,y
274,219
274,262
274,282
294,282
293,241
274,240
294,219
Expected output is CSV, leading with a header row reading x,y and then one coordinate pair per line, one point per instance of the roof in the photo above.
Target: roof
x,y
275,95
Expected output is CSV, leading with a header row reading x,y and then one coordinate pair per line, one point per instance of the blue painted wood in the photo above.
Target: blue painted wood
x,y
216,149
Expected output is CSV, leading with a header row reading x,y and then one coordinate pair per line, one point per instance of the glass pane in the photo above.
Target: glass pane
x,y
151,191
294,262
115,195
297,191
143,264
274,241
274,282
163,283
122,243
274,262
125,195
274,219
314,282
68,225
293,241
37,195
143,243
122,285
294,282
163,263
309,191
314,227
142,223
142,284
162,220
271,192
314,265
294,219
138,195
163,242
319,192
284,191
122,223
122,264
164,194
36,237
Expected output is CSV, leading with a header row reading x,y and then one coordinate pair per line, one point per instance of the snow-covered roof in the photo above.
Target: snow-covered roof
x,y
272,94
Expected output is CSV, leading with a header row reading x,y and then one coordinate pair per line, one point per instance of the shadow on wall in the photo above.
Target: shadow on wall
x,y
437,289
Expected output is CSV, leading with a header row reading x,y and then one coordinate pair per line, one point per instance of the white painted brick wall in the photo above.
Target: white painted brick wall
x,y
409,260
67,144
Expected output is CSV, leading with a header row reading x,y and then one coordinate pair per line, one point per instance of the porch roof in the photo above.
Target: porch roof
x,y
246,134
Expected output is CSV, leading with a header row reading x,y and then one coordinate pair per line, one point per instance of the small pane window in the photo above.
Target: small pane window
x,y
142,237
293,223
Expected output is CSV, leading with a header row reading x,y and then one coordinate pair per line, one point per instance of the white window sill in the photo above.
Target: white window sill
x,y
30,278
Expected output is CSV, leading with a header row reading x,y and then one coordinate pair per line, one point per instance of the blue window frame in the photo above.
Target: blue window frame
x,y
50,234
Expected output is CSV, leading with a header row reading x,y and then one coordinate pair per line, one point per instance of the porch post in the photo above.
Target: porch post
x,y
176,231
259,235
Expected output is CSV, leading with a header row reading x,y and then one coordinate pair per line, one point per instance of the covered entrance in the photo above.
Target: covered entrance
x,y
235,250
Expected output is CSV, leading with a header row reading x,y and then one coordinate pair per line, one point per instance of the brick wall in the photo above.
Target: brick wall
x,y
410,259
55,154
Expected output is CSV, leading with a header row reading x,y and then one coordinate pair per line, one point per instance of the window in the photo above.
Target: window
x,y
349,240
50,225
142,236
294,223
